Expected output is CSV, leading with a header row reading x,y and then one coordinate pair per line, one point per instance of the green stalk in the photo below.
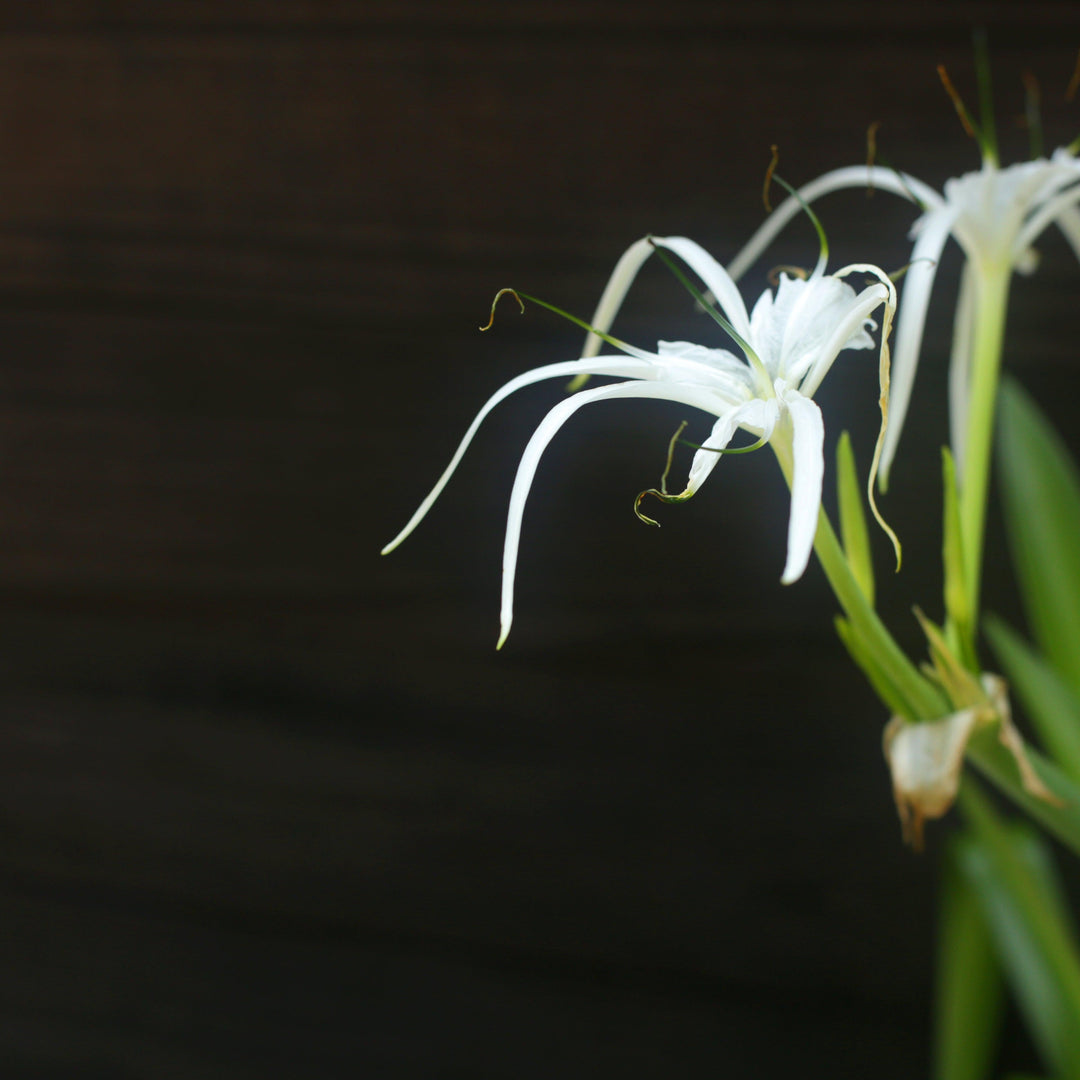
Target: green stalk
x,y
923,700
991,301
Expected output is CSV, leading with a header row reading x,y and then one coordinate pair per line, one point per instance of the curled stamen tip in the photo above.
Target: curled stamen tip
x,y
637,507
1074,82
494,303
773,276
768,177
958,103
663,496
871,155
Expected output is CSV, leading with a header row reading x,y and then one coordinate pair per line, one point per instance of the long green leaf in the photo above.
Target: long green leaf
x,y
1061,819
853,531
1041,493
970,988
864,659
1034,940
1051,705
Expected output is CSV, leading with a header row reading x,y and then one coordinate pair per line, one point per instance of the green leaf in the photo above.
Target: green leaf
x,y
1041,494
853,531
1061,819
882,684
1052,707
970,988
1034,939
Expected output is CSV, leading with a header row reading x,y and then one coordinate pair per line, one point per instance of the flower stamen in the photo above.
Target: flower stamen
x,y
823,240
670,455
1074,82
769,176
1033,114
988,139
773,275
871,154
970,127
663,496
502,292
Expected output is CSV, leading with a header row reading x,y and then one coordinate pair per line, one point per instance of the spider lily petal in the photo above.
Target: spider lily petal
x,y
808,460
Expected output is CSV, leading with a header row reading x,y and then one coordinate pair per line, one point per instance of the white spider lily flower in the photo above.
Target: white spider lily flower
x,y
791,340
995,215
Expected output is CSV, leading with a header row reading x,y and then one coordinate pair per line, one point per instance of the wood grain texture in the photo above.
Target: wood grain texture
x,y
272,806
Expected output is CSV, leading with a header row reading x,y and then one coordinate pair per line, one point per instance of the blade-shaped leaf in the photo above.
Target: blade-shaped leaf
x,y
1041,493
1051,705
1034,939
853,530
970,987
1060,819
863,658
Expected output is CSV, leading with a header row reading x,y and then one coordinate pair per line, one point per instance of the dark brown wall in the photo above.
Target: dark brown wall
x,y
271,806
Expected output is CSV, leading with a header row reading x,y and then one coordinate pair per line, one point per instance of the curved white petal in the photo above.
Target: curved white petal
x,y
845,335
1048,212
852,176
914,300
545,432
757,416
808,458
624,367
806,315
714,276
622,277
1068,221
717,369
960,366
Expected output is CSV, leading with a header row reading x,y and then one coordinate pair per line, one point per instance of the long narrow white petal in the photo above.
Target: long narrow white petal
x,y
622,367
622,277
758,416
852,176
695,397
914,300
862,307
1068,221
960,366
808,457
715,277
1048,212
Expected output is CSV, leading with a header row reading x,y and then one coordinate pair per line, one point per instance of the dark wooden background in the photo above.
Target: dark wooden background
x,y
273,807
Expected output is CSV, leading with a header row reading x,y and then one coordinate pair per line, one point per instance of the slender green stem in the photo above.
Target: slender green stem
x,y
991,301
922,698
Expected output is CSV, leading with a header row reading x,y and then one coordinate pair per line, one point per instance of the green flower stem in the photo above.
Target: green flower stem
x,y
922,698
991,301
